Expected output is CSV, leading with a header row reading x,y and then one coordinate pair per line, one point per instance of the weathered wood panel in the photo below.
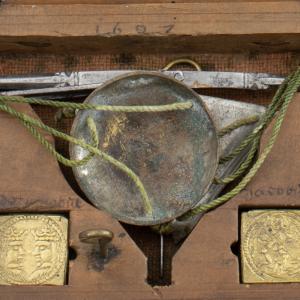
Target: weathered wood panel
x,y
205,26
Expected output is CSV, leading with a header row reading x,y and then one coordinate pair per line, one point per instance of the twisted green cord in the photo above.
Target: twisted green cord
x,y
57,155
264,122
237,124
244,165
112,108
30,123
286,95
279,105
250,155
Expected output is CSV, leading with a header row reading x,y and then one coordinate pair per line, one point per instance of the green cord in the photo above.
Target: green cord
x,y
237,124
31,124
112,108
244,165
287,93
265,120
279,105
277,108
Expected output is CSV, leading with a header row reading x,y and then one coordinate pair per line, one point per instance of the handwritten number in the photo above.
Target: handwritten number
x,y
140,28
168,28
117,29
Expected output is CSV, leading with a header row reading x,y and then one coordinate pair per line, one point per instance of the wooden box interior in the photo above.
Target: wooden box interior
x,y
70,35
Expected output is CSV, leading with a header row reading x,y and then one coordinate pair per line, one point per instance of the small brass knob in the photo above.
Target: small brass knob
x,y
102,237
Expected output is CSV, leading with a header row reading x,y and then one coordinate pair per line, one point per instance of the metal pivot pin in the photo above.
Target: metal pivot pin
x,y
101,237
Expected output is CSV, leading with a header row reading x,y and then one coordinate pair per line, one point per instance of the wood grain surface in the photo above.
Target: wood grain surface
x,y
250,35
206,266
30,2
143,27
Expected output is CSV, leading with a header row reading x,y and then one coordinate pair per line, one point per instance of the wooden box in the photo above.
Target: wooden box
x,y
50,36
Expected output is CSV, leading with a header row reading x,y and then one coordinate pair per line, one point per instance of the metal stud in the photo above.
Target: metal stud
x,y
101,237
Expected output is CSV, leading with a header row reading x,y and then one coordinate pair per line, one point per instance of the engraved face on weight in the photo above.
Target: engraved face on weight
x,y
29,255
32,250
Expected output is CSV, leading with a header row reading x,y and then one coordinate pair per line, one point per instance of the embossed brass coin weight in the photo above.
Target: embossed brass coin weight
x,y
270,246
33,249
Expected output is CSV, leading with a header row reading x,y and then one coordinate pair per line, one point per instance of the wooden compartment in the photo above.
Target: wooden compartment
x,y
250,36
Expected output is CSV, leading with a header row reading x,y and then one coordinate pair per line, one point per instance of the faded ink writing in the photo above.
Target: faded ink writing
x,y
22,202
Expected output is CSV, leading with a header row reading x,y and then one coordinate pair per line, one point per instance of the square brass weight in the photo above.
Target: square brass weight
x,y
270,246
33,249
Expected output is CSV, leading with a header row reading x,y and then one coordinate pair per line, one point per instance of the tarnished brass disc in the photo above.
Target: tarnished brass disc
x,y
175,154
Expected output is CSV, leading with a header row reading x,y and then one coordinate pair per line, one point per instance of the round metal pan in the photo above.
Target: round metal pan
x,y
175,154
